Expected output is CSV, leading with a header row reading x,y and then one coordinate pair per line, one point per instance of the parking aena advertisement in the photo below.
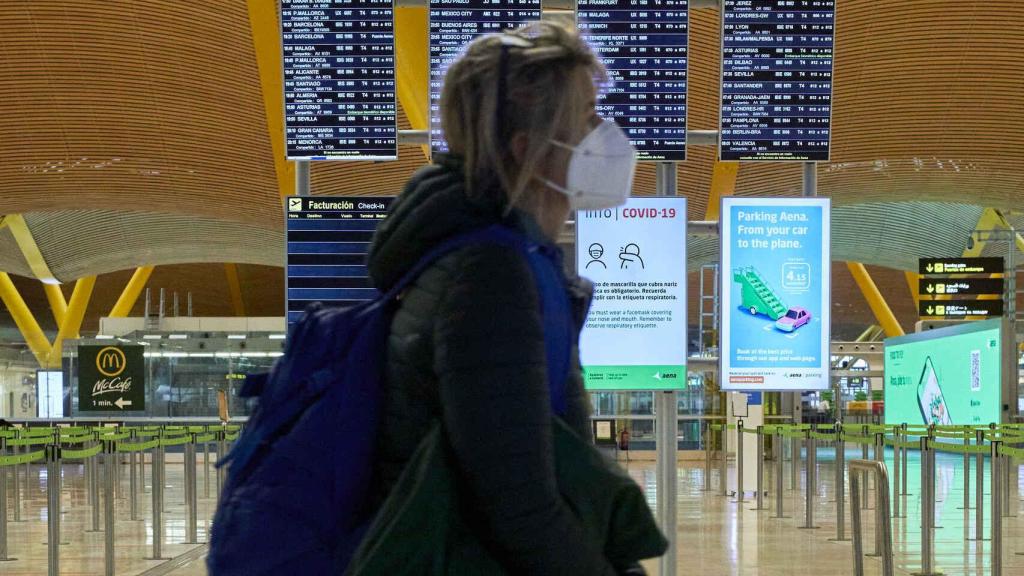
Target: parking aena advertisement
x,y
775,293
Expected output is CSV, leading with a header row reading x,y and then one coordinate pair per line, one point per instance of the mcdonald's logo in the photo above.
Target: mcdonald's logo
x,y
111,361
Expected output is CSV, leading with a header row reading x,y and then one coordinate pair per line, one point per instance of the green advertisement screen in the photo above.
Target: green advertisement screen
x,y
949,376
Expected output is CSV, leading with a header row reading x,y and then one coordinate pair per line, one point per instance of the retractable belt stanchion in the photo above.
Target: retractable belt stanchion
x,y
760,469
967,478
811,480
780,468
707,456
221,451
927,506
3,506
739,461
110,480
723,477
840,485
157,476
979,481
794,456
997,516
191,528
133,482
897,452
206,469
53,509
17,489
903,477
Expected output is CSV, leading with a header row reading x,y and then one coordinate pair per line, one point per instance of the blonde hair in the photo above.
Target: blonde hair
x,y
544,67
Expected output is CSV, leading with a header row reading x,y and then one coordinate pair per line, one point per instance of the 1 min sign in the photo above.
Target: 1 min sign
x,y
111,379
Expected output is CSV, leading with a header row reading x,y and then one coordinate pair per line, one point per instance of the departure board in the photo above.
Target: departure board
x,y
455,23
643,44
339,79
328,240
777,79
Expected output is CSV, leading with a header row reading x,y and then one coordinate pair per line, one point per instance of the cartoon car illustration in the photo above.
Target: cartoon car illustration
x,y
794,318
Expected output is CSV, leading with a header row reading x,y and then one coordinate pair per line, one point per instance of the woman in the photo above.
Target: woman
x,y
467,344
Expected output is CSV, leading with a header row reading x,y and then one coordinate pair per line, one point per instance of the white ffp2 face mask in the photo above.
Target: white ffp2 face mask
x,y
600,170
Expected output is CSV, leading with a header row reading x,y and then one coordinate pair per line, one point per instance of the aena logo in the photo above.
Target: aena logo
x,y
111,361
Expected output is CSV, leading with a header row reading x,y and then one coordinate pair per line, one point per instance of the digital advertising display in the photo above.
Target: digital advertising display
x,y
455,23
775,293
948,376
777,79
328,241
643,45
49,394
635,334
339,79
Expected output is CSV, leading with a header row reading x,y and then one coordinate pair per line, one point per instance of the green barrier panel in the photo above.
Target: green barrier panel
x,y
137,446
73,430
28,458
231,437
175,441
960,448
717,427
907,445
205,438
196,429
25,432
116,437
822,436
749,430
77,439
233,428
40,441
858,439
86,453
1017,453
8,433
146,433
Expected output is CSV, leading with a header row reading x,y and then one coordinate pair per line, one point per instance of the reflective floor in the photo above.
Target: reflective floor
x,y
716,535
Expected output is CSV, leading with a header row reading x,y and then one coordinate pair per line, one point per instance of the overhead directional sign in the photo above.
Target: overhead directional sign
x,y
111,379
960,308
328,240
986,265
643,45
777,79
339,79
938,287
455,23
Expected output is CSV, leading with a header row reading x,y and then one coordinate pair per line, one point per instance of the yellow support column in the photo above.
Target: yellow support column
x,y
914,285
24,320
266,39
412,67
878,305
131,292
235,289
73,319
723,183
58,305
29,248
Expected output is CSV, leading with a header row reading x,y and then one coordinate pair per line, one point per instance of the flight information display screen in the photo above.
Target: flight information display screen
x,y
643,43
777,79
339,79
455,23
328,240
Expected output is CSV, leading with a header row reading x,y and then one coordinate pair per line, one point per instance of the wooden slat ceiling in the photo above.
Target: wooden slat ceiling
x,y
150,114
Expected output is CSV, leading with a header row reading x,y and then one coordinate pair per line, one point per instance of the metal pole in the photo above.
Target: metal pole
x,y
206,470
723,476
53,509
109,458
157,476
133,487
221,451
858,544
967,478
841,485
810,180
780,469
760,469
897,452
667,422
794,456
192,530
1005,466
739,461
979,497
95,495
864,456
88,482
903,477
879,493
3,513
997,516
812,481
302,177
927,508
17,488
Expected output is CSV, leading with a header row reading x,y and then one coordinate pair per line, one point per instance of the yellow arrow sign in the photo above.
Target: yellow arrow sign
x,y
930,288
930,310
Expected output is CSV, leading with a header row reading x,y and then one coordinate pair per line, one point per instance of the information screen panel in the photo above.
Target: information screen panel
x,y
339,79
948,376
328,240
776,293
49,394
455,23
777,79
635,335
643,43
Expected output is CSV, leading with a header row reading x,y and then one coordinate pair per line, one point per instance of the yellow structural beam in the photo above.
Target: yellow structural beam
x,y
878,305
24,320
126,302
989,220
914,285
29,249
58,305
266,39
72,323
412,67
235,289
723,183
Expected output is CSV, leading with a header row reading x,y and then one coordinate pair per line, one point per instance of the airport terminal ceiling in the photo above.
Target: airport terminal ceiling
x,y
138,134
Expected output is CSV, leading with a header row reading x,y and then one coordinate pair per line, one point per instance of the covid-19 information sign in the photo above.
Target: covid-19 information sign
x,y
949,376
775,294
635,335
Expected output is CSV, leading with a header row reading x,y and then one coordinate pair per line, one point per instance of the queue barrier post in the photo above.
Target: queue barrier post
x,y
133,482
723,476
794,456
760,469
206,470
811,480
221,452
927,507
192,519
109,477
979,481
779,472
157,476
883,521
967,476
997,516
53,482
17,487
739,461
94,473
840,485
897,466
903,477
3,507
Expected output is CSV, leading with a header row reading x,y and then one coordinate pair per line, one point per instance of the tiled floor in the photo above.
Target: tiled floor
x,y
716,535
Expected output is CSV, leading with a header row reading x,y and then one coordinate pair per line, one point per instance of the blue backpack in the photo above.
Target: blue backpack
x,y
296,499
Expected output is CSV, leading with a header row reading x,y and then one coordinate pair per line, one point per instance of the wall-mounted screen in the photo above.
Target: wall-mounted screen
x,y
339,79
328,240
635,335
776,79
776,294
455,23
50,394
948,376
643,45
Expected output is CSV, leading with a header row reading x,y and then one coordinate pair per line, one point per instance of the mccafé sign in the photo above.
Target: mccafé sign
x,y
111,379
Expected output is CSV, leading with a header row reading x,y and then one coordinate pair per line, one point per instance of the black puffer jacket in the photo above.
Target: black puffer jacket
x,y
467,349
